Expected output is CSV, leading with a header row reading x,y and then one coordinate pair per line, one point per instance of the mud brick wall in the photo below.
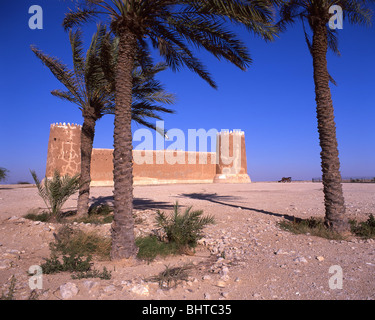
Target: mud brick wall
x,y
151,166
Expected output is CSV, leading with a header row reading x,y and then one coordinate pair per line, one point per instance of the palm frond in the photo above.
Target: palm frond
x,y
62,73
255,15
56,191
357,12
78,17
76,43
64,95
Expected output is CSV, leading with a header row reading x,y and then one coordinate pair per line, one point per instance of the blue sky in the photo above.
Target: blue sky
x,y
273,101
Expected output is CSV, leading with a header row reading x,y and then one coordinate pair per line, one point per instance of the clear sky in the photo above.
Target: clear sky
x,y
273,102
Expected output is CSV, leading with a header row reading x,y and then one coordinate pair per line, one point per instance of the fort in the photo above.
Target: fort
x,y
227,165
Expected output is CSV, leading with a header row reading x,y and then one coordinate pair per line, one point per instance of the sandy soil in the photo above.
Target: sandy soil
x,y
244,256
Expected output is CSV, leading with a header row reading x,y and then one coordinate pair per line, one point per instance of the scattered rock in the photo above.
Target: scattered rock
x,y
320,258
206,277
109,288
89,284
4,265
280,251
68,290
300,260
207,296
141,290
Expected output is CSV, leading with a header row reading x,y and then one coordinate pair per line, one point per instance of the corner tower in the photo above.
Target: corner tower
x,y
64,147
231,158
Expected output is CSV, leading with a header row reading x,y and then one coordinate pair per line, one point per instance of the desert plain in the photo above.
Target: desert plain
x,y
244,256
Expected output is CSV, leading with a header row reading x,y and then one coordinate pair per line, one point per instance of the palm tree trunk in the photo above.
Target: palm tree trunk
x,y
333,194
123,241
87,140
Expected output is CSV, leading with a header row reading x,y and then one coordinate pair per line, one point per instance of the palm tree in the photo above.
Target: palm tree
x,y
316,13
3,173
91,89
170,26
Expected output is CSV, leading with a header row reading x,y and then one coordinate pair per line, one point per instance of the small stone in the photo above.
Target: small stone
x,y
109,288
300,259
13,251
68,290
221,284
140,290
280,251
225,294
206,277
207,296
320,258
3,265
89,284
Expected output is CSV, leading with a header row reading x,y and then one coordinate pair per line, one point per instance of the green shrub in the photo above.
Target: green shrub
x,y
42,217
76,242
100,209
3,174
80,267
73,250
150,247
184,230
171,277
11,290
99,214
312,226
104,275
365,229
70,263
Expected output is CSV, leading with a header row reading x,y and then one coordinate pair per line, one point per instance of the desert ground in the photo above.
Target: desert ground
x,y
244,256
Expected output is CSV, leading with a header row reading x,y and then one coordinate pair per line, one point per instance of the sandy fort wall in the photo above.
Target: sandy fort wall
x,y
151,166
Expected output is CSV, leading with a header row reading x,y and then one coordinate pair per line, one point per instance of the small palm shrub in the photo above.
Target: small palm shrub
x,y
183,229
56,191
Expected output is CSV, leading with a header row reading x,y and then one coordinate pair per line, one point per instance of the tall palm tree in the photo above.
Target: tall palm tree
x,y
93,91
170,26
316,14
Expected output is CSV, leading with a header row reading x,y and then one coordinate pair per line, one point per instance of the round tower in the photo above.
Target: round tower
x,y
231,158
64,149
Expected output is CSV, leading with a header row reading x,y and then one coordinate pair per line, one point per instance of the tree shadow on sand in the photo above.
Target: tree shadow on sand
x,y
138,203
223,200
